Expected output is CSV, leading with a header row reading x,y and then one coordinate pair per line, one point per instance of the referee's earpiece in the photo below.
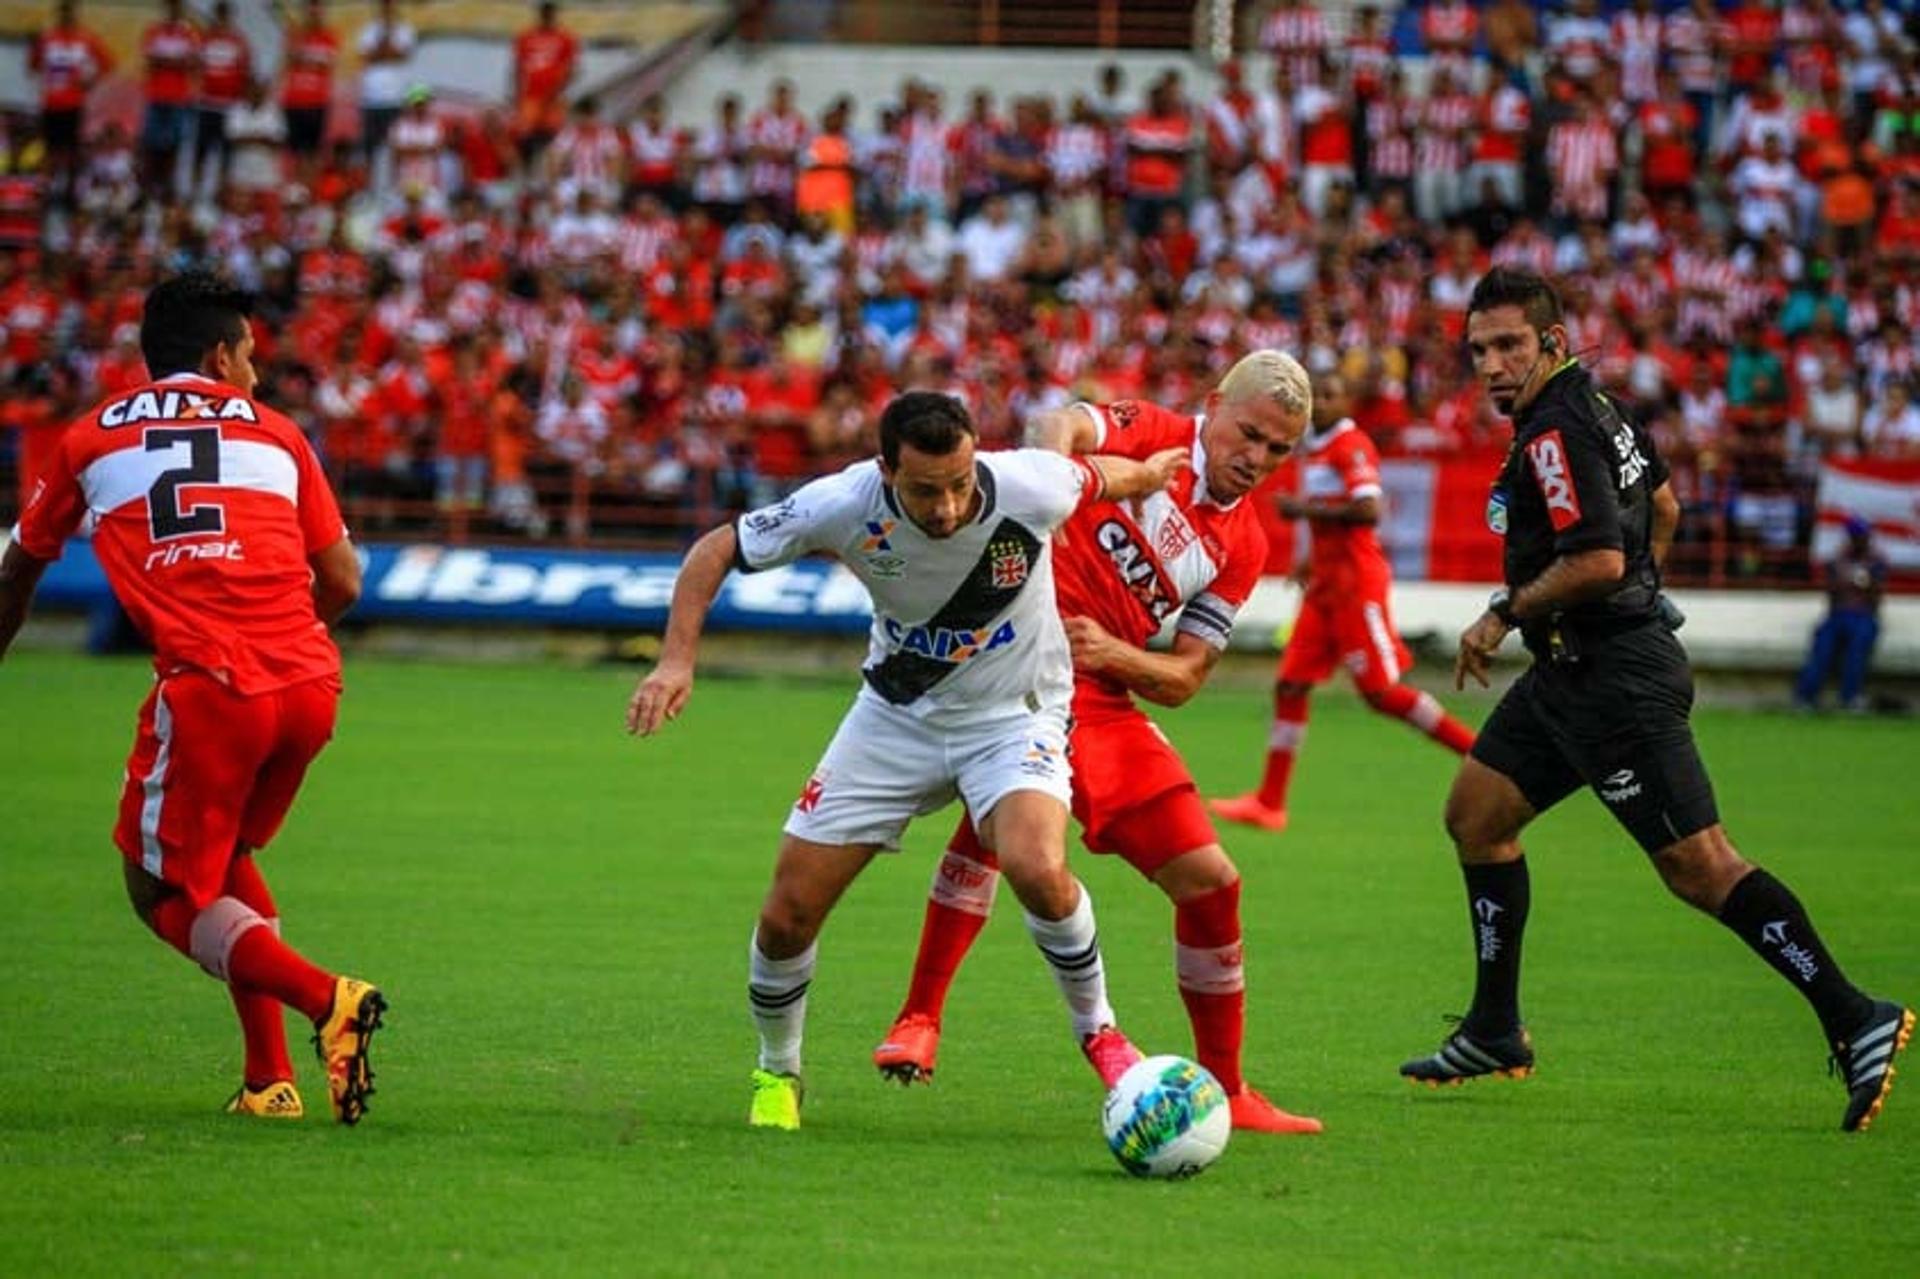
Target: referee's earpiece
x,y
1549,344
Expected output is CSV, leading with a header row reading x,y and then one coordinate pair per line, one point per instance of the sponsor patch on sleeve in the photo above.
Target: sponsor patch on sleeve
x,y
1548,456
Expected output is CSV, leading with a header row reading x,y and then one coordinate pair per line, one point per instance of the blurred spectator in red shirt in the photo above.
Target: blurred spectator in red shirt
x,y
544,58
69,60
171,50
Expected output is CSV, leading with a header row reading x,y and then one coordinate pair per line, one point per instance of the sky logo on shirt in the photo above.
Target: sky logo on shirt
x,y
1548,454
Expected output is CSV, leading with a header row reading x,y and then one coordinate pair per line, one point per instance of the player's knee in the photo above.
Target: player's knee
x,y
1702,868
1046,889
1478,831
788,925
1198,873
1291,689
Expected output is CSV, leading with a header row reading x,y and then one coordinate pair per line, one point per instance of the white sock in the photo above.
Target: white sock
x,y
777,997
1072,950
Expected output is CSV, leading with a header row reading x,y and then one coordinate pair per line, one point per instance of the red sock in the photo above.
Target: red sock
x,y
1424,713
1283,742
958,904
266,965
1212,980
263,1021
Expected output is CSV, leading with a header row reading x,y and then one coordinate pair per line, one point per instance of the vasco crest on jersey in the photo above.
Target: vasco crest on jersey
x,y
1009,564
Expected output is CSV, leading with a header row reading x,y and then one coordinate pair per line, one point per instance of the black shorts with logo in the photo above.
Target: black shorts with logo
x,y
1616,721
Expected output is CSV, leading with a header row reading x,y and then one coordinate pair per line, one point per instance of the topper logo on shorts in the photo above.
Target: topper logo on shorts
x,y
945,644
1548,454
1041,760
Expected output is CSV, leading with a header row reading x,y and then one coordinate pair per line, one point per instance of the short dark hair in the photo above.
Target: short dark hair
x,y
189,315
1512,286
932,421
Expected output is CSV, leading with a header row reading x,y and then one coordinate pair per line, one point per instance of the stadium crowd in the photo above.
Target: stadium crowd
x,y
540,320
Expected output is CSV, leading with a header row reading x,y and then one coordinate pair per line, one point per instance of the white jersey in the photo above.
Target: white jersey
x,y
964,627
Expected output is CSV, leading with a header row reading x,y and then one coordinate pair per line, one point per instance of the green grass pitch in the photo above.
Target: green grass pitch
x,y
560,917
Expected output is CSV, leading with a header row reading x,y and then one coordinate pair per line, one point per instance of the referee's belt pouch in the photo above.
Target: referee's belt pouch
x,y
1564,645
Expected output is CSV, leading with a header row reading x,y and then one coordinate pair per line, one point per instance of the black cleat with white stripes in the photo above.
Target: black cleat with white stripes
x,y
1865,1062
1463,1056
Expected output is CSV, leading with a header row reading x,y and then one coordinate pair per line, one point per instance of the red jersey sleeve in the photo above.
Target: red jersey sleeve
x,y
321,524
1137,429
1359,465
1210,614
54,512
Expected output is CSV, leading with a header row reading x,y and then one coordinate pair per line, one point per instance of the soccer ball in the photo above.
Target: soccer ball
x,y
1167,1117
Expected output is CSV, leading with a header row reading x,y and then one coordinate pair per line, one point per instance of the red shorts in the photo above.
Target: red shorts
x,y
1355,632
212,769
1132,793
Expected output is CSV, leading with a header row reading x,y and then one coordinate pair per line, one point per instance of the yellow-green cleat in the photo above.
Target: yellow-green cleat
x,y
776,1101
277,1100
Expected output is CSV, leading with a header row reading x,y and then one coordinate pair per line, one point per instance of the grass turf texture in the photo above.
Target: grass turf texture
x,y
560,916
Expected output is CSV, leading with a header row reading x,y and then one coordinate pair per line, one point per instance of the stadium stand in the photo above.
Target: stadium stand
x,y
697,283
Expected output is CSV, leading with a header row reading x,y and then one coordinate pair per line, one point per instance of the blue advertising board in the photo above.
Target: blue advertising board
x,y
429,583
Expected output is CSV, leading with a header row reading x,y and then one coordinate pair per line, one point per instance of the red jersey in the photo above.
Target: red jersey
x,y
1131,566
226,68
1343,466
172,51
207,507
543,59
309,74
68,60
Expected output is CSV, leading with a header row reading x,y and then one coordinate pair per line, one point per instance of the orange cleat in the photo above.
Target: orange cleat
x,y
1254,1113
1249,811
906,1055
1110,1053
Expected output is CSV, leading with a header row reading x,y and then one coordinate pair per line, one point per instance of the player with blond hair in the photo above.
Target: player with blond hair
x,y
1192,553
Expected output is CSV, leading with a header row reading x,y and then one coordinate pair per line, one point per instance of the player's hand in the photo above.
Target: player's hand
x,y
1290,507
658,698
1166,464
1092,644
1478,644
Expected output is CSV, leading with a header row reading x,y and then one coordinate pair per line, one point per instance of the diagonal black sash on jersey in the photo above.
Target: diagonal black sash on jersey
x,y
905,676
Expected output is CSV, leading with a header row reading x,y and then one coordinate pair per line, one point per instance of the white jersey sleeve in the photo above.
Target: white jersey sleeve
x,y
815,517
1041,488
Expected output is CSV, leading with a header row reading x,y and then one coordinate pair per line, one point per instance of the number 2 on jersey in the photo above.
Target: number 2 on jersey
x,y
165,518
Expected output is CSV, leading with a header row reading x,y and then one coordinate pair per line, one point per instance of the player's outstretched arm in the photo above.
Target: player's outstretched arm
x,y
663,694
19,578
1123,478
1166,679
1069,430
336,581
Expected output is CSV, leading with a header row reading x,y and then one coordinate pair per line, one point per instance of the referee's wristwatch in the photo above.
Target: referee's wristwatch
x,y
1500,604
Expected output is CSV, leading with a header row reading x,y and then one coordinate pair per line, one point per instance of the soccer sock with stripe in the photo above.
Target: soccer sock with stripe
x,y
958,904
1764,913
1284,739
250,956
777,997
1206,934
263,1022
1072,950
1498,896
1424,713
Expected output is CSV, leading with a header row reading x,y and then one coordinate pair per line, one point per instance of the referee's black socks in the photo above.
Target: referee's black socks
x,y
1498,894
1766,915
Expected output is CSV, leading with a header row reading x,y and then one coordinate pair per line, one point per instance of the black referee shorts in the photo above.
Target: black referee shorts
x,y
1615,721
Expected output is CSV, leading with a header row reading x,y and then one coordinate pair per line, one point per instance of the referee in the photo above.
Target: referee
x,y
1587,514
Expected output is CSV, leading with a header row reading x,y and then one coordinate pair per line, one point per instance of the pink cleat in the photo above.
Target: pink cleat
x,y
1254,1113
1249,811
1110,1053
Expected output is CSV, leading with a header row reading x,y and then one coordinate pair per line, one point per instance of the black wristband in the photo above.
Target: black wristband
x,y
1500,604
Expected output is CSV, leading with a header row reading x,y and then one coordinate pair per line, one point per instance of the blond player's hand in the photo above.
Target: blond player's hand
x,y
1090,643
1478,644
659,698
1166,464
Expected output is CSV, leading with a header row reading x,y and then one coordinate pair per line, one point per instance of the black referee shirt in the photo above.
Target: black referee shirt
x,y
1579,476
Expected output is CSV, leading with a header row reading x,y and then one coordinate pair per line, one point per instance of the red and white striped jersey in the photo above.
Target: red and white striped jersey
x,y
655,153
782,138
1296,33
928,159
1077,157
719,168
1582,155
587,154
1440,144
206,507
418,143
1695,49
1505,116
1579,45
1636,42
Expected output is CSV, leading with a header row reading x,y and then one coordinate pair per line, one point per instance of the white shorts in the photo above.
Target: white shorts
x,y
884,768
